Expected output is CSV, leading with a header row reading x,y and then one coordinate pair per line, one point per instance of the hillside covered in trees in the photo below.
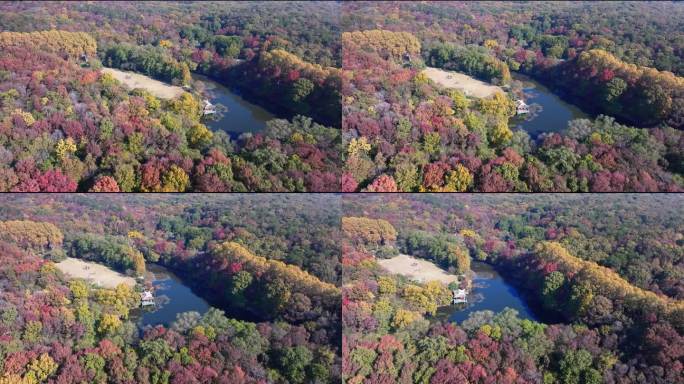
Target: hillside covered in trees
x,y
620,61
603,273
270,263
67,126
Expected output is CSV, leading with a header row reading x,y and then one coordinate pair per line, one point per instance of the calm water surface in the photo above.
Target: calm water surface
x,y
548,112
240,116
172,296
489,292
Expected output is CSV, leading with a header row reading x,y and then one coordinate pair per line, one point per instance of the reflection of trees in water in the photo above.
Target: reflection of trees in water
x,y
204,88
218,116
484,275
162,300
155,276
162,285
475,298
535,110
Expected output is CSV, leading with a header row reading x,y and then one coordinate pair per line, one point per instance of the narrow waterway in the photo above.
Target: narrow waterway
x,y
548,112
235,114
489,292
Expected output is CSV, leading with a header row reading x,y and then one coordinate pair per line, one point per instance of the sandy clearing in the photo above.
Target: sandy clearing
x,y
469,85
416,269
97,273
135,80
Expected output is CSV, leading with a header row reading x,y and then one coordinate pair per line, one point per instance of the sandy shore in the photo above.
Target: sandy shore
x,y
416,269
136,80
469,85
97,273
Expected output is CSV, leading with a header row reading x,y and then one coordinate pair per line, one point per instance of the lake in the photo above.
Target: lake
x,y
240,115
549,113
489,292
172,297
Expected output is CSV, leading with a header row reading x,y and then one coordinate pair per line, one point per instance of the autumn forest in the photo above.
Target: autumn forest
x,y
360,288
358,192
365,96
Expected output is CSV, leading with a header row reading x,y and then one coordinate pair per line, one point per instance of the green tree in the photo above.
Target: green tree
x,y
552,285
573,365
32,331
301,89
228,46
363,358
186,77
431,142
406,176
94,364
240,282
294,361
581,296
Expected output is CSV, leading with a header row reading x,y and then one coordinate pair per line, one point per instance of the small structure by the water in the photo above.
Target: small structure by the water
x,y
521,107
209,108
460,296
146,298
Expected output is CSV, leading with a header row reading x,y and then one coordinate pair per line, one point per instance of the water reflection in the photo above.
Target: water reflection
x,y
548,112
171,297
236,115
489,292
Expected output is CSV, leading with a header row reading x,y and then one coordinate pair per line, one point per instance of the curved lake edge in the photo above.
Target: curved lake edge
x,y
171,297
244,93
240,115
589,109
253,112
556,111
551,109
529,299
210,296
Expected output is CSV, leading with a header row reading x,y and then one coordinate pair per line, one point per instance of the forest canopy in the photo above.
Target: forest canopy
x,y
66,125
404,131
603,312
269,263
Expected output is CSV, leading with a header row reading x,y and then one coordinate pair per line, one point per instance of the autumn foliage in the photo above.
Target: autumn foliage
x,y
375,231
608,283
31,234
597,322
398,124
296,280
642,95
59,330
63,43
65,126
387,44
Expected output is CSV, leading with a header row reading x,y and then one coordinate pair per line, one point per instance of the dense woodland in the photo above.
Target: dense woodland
x,y
233,42
621,62
64,126
604,270
404,133
273,260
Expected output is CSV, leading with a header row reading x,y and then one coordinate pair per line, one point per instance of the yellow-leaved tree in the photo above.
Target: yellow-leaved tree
x,y
387,44
73,44
377,231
